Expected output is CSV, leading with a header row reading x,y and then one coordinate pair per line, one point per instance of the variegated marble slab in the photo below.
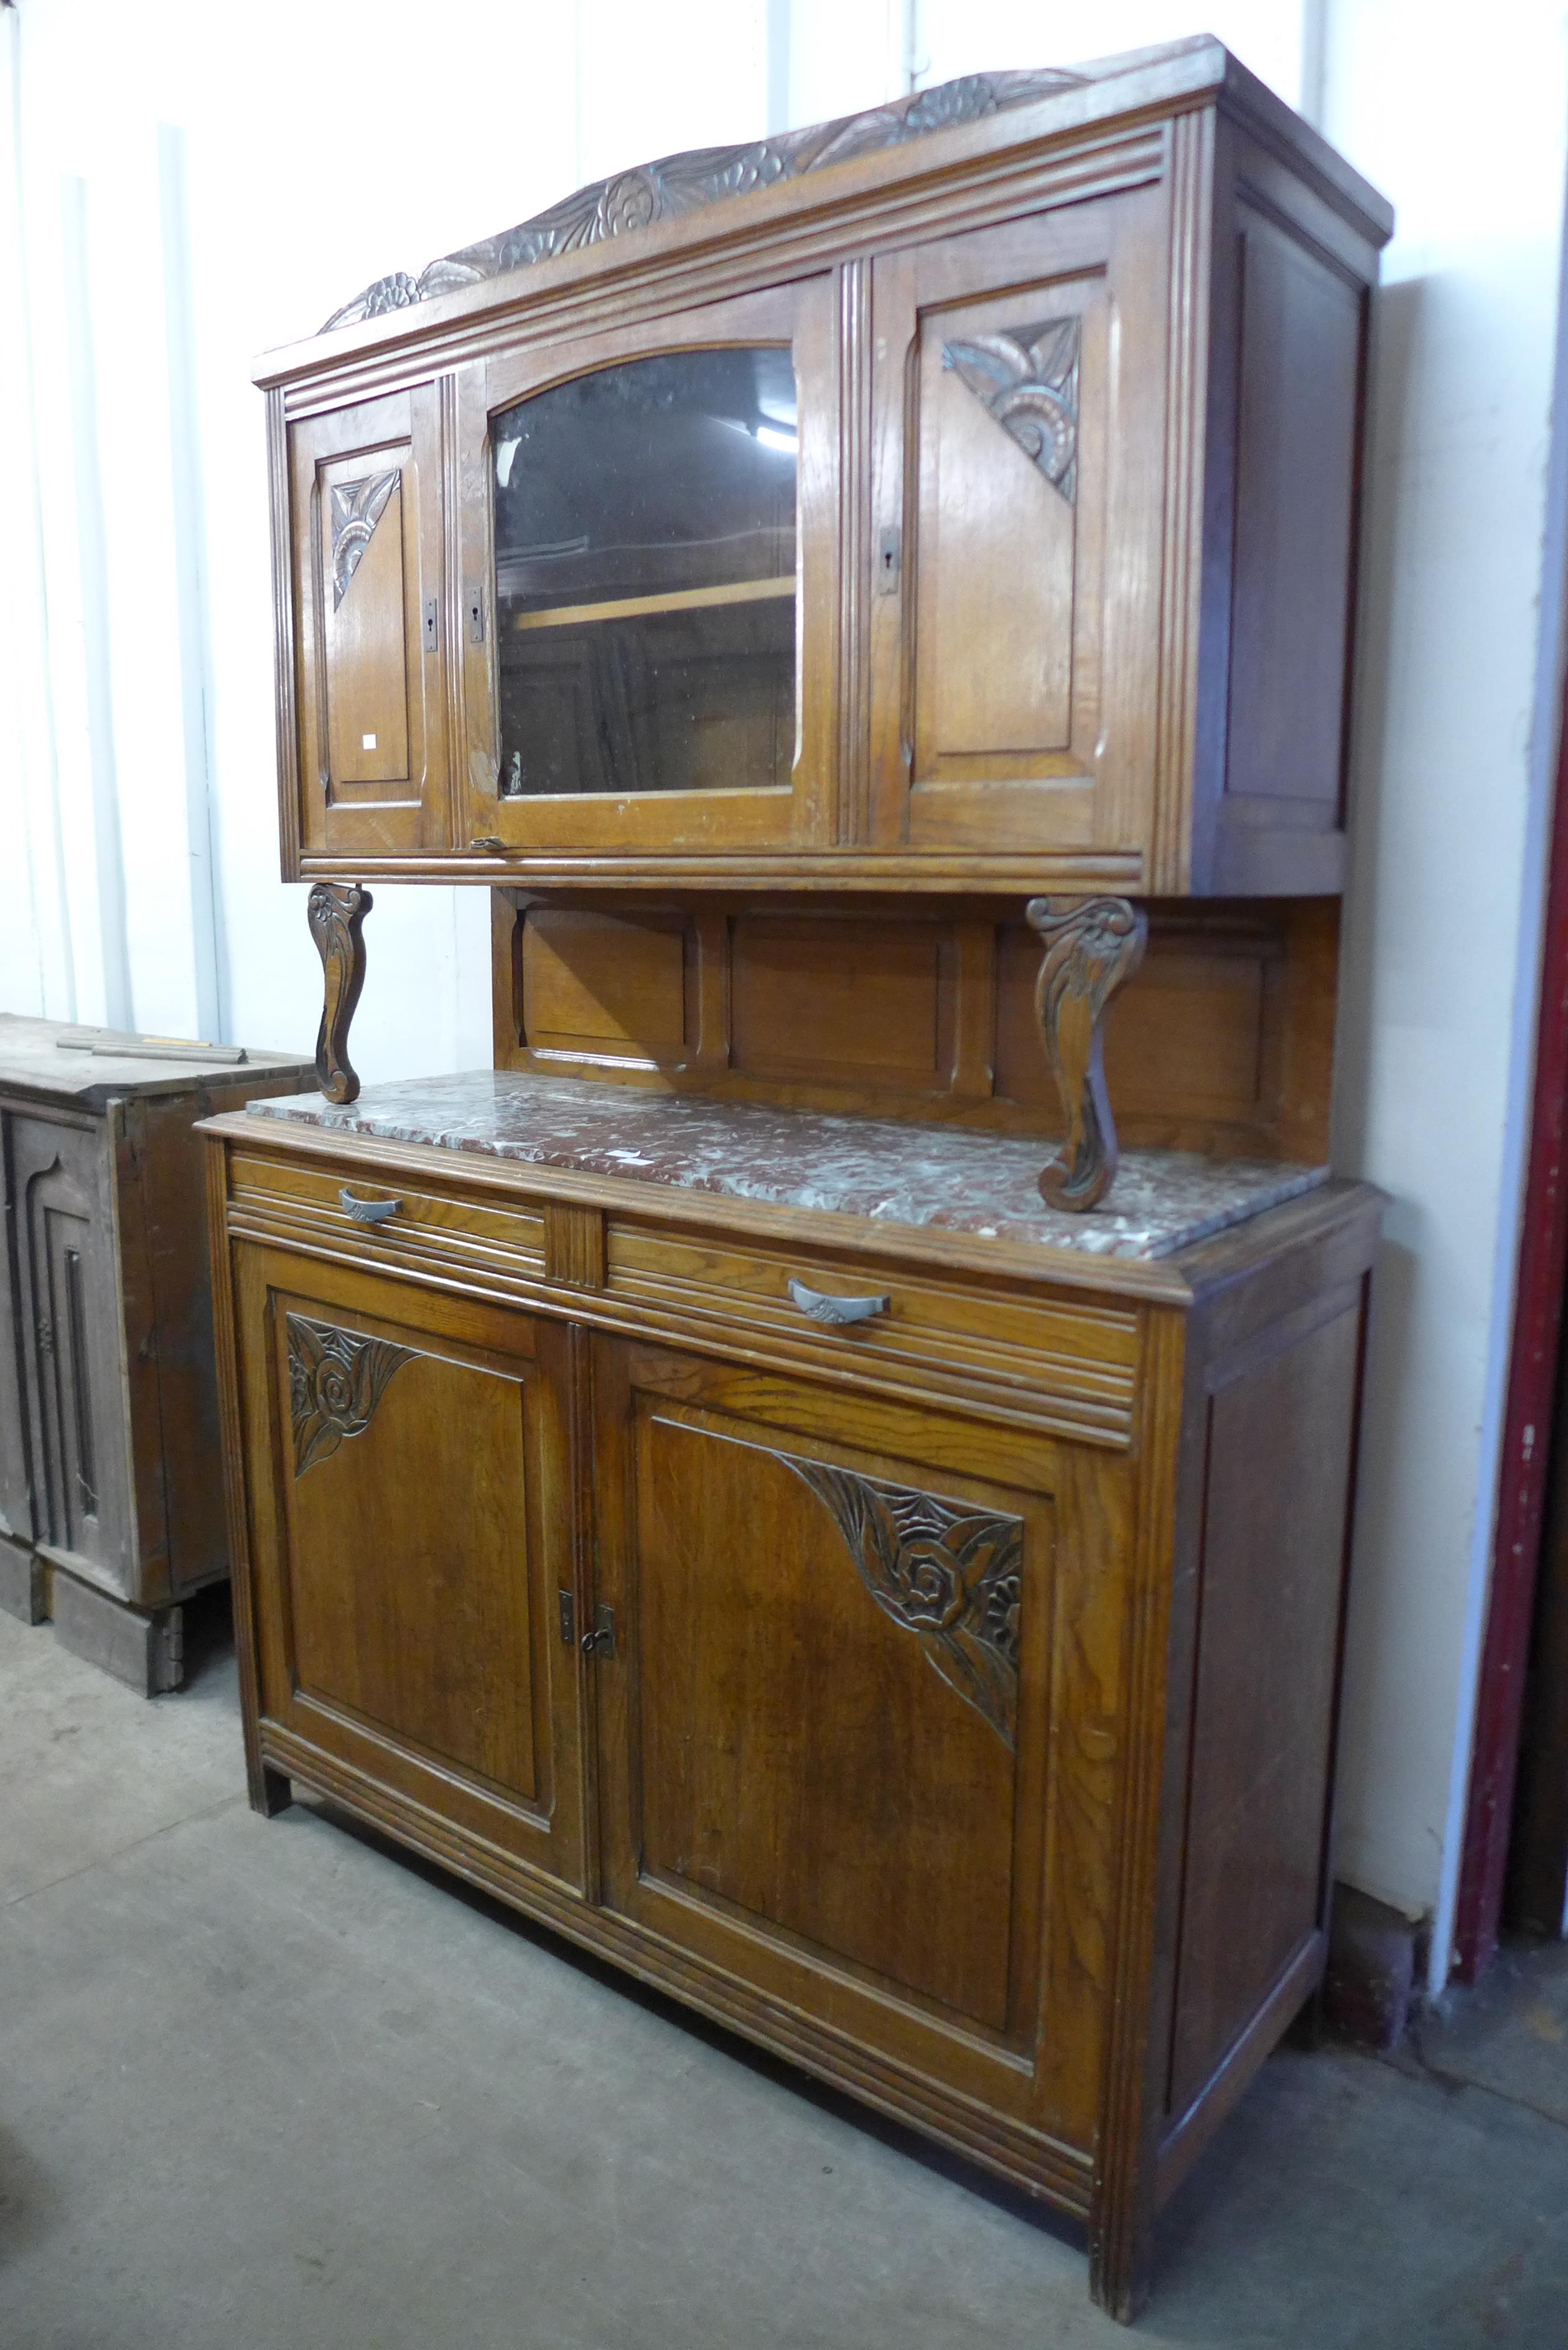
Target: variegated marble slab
x,y
949,1179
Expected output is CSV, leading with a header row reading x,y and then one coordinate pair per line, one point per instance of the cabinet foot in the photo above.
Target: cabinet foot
x,y
271,1792
23,1591
336,917
1091,946
144,1647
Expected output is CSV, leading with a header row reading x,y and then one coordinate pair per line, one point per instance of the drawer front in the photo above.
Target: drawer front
x,y
495,1249
1064,1368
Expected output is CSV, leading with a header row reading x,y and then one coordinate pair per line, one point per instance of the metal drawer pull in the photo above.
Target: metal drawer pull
x,y
834,1309
369,1211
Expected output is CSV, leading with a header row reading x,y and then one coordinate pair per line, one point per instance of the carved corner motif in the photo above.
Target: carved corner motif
x,y
337,914
357,508
680,183
1027,378
950,1574
1091,946
336,1379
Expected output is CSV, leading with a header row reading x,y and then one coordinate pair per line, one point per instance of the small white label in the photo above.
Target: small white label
x,y
366,742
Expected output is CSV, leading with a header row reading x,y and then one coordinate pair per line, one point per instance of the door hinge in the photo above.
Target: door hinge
x,y
569,1619
601,1641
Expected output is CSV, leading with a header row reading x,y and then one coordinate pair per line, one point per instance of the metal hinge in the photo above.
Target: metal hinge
x,y
601,1641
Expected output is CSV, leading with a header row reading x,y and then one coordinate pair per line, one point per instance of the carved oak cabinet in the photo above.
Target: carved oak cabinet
x,y
746,1479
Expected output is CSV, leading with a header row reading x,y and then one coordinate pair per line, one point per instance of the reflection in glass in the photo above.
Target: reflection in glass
x,y
645,563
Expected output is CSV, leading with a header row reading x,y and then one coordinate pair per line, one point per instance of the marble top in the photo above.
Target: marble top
x,y
33,1060
941,1177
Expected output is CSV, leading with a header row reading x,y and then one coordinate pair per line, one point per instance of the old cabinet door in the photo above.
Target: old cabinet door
x,y
366,523
410,1525
1018,485
68,1301
854,1746
649,558
18,1515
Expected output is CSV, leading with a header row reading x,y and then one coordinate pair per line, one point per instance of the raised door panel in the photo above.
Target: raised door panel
x,y
18,1515
410,1506
1018,404
649,556
73,1347
367,588
843,1753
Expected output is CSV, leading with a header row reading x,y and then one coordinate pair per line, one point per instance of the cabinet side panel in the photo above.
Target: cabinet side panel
x,y
1276,1496
1297,437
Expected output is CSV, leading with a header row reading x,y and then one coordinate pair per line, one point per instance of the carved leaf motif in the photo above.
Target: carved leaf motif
x,y
679,183
1027,378
945,1571
357,508
336,1379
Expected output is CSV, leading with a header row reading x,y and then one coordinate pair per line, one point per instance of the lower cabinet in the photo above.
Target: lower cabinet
x,y
980,1767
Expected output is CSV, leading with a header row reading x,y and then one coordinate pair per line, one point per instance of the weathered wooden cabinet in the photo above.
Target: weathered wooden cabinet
x,y
746,1479
110,1508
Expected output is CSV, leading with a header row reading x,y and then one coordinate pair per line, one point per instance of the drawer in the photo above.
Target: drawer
x,y
1064,1367
496,1249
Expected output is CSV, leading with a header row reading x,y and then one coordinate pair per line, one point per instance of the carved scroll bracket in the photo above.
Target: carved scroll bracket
x,y
1091,946
336,916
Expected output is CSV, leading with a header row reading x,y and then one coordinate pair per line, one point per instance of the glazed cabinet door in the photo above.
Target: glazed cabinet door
x,y
409,1507
72,1347
649,569
370,625
853,1753
1018,470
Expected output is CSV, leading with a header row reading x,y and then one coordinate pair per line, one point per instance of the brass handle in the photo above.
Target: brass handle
x,y
839,1310
369,1211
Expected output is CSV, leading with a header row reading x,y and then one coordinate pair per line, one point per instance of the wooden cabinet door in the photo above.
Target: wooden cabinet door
x,y
72,1346
18,1515
854,1747
1018,511
650,560
370,626
410,1527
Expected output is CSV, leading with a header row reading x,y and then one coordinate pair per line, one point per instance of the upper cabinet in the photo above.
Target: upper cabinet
x,y
962,496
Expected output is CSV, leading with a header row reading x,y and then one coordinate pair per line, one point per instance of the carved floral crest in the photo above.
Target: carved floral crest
x,y
1028,379
945,1571
357,508
336,1379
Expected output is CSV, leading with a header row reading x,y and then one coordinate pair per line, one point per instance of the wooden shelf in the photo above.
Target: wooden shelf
x,y
676,599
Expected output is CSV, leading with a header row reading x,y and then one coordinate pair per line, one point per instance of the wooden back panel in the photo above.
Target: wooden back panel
x,y
1222,1043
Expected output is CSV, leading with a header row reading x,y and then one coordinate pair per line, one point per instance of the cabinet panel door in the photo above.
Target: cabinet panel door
x,y
1018,390
649,546
72,1344
411,1533
370,619
844,1757
17,1512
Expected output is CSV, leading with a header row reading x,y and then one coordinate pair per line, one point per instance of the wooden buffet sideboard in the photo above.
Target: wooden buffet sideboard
x,y
754,1479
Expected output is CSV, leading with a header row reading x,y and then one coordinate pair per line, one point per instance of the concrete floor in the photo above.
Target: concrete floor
x,y
270,2084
